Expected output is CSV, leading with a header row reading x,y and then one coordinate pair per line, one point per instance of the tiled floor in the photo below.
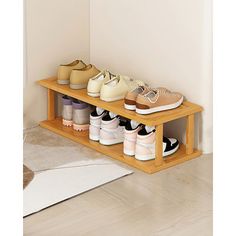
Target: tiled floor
x,y
176,201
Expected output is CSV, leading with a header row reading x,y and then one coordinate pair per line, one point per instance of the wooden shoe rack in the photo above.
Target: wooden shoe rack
x,y
187,110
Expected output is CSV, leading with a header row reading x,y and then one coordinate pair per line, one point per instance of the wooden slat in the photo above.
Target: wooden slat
x,y
117,107
190,134
51,104
116,151
159,145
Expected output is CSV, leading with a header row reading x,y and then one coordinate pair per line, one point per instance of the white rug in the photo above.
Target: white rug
x,y
53,184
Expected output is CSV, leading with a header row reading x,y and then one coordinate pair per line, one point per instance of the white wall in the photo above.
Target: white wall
x,y
56,32
164,42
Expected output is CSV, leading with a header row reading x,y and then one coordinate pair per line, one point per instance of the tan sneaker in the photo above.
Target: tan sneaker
x,y
63,75
131,96
158,100
95,83
116,88
79,77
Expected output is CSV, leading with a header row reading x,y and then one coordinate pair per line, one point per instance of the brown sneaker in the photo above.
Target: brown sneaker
x,y
131,96
158,100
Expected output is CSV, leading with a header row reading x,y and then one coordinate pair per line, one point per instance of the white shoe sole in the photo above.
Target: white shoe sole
x,y
93,137
63,82
110,142
152,156
129,153
111,99
160,108
78,86
130,107
95,95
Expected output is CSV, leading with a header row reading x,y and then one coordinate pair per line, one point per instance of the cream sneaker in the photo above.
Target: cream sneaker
x,y
116,88
158,100
95,83
79,77
63,75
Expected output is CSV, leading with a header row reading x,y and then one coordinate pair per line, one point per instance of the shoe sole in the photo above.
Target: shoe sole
x,y
95,95
160,108
152,157
130,107
80,127
110,142
93,137
129,153
67,122
78,86
63,82
112,99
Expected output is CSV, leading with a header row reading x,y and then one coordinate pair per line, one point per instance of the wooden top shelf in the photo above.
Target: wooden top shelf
x,y
117,107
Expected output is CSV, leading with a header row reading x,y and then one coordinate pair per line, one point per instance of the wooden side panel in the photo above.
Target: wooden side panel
x,y
51,104
190,134
159,145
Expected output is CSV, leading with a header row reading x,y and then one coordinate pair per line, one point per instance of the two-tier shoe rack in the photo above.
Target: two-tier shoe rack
x,y
187,110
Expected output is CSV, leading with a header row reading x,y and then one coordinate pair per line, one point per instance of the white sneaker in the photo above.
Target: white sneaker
x,y
95,83
145,144
131,131
116,88
112,129
95,123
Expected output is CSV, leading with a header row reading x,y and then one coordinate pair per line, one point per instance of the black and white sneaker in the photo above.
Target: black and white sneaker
x,y
170,146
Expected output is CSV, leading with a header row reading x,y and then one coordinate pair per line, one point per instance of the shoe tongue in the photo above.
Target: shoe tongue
x,y
114,81
151,94
101,77
138,90
112,115
99,110
149,128
134,124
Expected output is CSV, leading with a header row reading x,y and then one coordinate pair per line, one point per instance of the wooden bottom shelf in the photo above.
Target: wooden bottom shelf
x,y
116,151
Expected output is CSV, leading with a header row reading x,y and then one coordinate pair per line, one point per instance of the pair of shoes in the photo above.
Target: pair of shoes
x,y
145,100
111,87
139,141
76,113
77,74
106,127
95,84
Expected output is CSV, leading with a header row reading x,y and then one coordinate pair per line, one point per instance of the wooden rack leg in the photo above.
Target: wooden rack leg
x,y
159,145
51,104
190,134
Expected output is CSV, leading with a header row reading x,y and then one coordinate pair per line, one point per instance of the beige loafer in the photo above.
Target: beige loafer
x,y
64,71
79,77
